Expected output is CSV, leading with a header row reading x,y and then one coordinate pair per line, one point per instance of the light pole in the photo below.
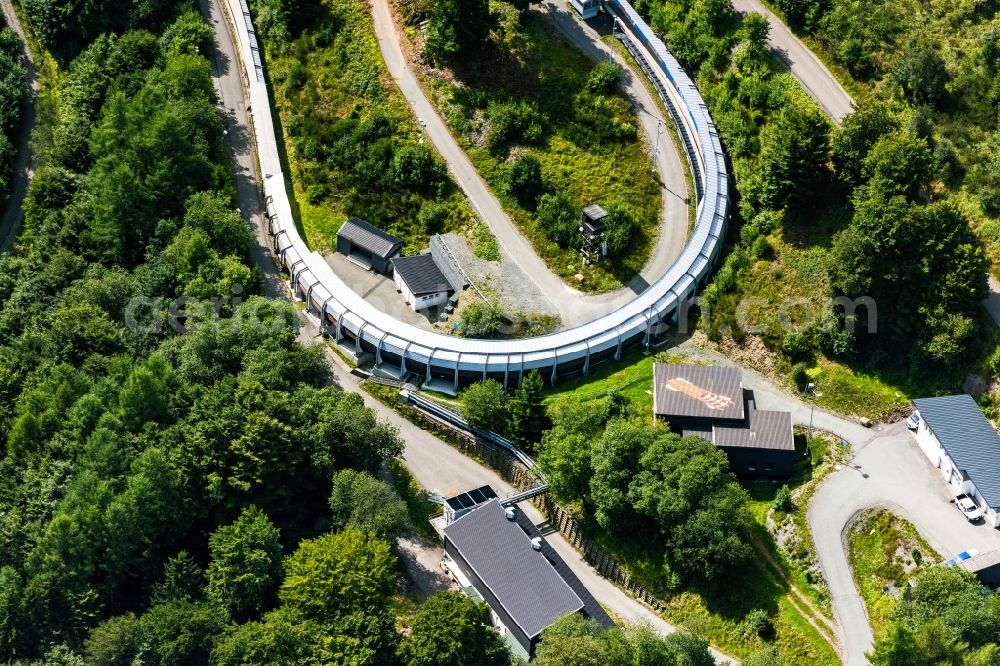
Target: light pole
x,y
656,152
611,49
811,391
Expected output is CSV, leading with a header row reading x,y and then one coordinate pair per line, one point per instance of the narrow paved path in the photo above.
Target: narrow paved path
x,y
435,464
574,306
13,214
803,63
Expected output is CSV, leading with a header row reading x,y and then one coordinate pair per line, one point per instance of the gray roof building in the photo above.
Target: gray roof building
x,y
767,430
969,439
519,583
367,245
697,391
421,274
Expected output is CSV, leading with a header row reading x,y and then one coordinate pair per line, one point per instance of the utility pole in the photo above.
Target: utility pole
x,y
811,390
659,131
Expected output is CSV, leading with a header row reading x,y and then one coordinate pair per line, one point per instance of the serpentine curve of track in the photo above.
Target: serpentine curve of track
x,y
347,316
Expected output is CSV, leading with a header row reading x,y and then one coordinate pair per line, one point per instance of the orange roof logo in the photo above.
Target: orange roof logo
x,y
706,397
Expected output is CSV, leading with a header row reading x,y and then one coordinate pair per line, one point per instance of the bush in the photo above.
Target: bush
x,y
523,180
604,78
796,346
783,500
556,217
512,122
800,376
480,319
833,338
484,243
432,217
417,169
756,624
621,228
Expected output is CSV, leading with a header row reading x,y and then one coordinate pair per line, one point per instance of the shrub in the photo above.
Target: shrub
x,y
800,376
621,228
480,319
432,217
511,122
756,624
796,346
484,243
417,169
604,78
783,500
556,217
523,180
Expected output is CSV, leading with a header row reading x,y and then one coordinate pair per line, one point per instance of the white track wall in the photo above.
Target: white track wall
x,y
345,315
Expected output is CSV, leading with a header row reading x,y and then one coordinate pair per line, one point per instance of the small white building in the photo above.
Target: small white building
x,y
587,8
959,440
421,282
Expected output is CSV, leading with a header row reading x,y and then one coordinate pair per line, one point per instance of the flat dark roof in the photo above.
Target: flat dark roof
x,y
697,391
370,237
521,578
968,437
421,274
766,430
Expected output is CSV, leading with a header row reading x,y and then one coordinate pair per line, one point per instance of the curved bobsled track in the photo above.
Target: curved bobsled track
x,y
346,316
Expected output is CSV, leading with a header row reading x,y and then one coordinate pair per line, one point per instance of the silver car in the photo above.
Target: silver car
x,y
913,421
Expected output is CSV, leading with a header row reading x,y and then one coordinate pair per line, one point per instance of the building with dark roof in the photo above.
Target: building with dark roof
x,y
367,245
710,402
960,441
526,588
421,282
986,567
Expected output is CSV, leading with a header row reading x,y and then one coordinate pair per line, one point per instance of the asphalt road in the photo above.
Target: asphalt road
x,y
803,63
13,214
888,471
434,463
574,306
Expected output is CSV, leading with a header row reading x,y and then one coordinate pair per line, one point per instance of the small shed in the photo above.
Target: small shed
x,y
367,245
421,282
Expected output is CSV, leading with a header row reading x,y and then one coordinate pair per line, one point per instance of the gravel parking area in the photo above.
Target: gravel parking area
x,y
505,280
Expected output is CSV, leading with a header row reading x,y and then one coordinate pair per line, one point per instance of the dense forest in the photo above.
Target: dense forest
x,y
823,212
168,498
179,482
13,92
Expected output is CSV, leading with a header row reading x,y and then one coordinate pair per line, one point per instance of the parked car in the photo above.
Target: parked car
x,y
968,507
913,421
